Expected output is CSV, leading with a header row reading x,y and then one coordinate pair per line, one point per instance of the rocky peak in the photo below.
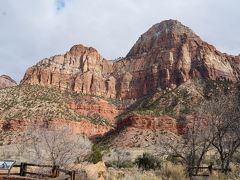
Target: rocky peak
x,y
6,81
166,34
79,50
8,78
165,56
173,26
169,54
81,69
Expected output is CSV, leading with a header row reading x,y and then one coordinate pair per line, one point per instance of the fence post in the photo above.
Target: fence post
x,y
210,168
23,169
73,173
55,171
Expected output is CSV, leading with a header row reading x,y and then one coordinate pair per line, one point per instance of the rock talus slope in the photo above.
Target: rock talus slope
x,y
26,105
167,55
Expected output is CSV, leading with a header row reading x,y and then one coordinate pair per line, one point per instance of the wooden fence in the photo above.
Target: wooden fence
x,y
54,171
208,170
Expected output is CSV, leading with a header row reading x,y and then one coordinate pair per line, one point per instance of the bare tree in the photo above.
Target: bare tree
x,y
121,157
223,113
53,146
192,146
216,125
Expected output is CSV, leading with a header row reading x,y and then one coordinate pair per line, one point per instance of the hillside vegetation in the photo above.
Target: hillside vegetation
x,y
181,100
32,102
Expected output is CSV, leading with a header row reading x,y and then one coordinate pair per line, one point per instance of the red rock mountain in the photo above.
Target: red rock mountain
x,y
167,55
6,81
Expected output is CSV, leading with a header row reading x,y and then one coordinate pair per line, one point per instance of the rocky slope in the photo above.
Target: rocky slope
x,y
165,56
6,81
26,105
164,113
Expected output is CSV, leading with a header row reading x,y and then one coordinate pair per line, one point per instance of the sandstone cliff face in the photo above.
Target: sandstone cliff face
x,y
10,130
81,69
6,81
99,108
161,123
167,55
147,131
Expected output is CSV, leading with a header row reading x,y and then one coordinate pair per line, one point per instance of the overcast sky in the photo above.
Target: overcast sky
x,y
31,30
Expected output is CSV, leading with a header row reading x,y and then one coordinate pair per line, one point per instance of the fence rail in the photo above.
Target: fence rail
x,y
209,169
55,171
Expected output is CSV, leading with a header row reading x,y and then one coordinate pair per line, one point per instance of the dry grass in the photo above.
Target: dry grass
x,y
168,171
173,172
131,174
233,175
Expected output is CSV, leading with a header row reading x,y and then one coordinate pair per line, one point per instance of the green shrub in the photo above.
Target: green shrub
x,y
123,164
148,162
96,154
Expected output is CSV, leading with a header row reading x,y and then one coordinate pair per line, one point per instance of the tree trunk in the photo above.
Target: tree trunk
x,y
226,167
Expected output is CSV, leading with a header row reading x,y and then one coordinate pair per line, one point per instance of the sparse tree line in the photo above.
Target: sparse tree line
x,y
214,128
53,146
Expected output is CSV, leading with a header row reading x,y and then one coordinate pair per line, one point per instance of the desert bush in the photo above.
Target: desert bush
x,y
123,164
96,154
148,162
119,158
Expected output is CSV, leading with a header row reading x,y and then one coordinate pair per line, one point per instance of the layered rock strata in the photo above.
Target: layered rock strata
x,y
167,55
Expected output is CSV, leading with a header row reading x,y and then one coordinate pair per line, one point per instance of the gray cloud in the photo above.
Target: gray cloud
x,y
32,30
